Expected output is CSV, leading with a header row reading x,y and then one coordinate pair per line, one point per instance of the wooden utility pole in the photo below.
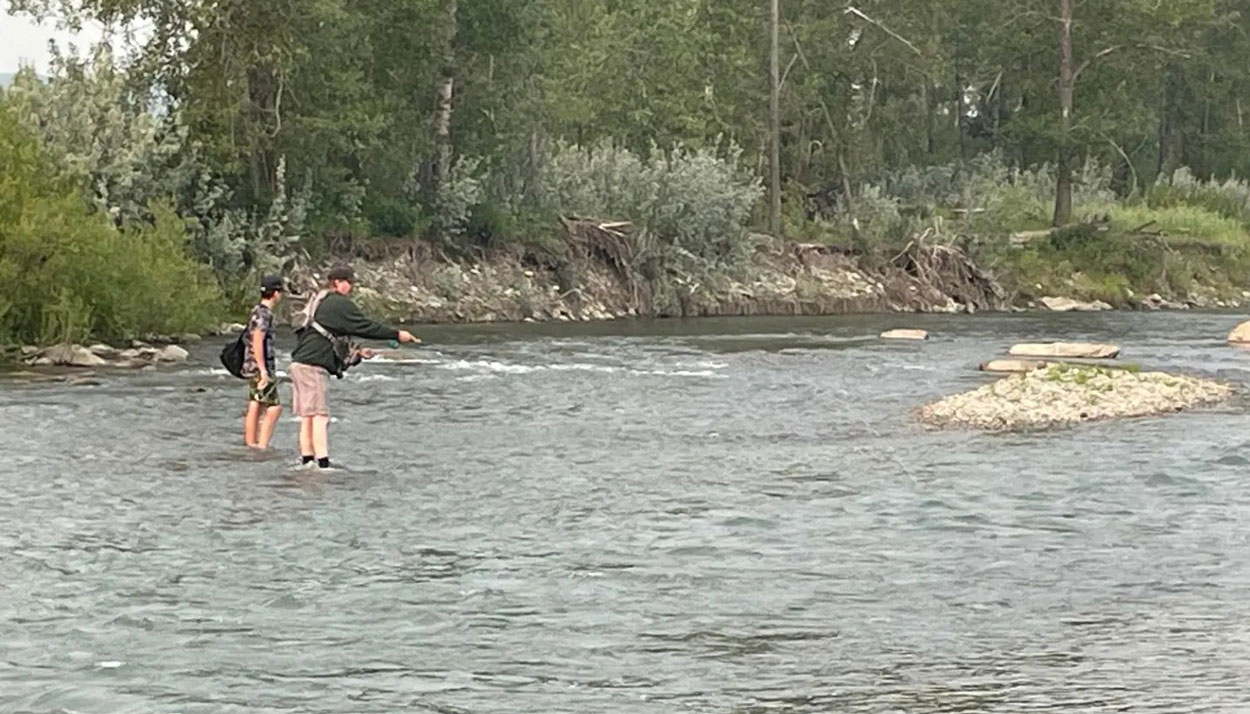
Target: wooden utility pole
x,y
1067,87
774,122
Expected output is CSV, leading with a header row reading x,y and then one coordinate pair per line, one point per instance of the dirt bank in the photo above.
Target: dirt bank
x,y
416,285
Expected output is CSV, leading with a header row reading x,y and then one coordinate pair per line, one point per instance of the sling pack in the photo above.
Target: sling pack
x,y
346,354
232,355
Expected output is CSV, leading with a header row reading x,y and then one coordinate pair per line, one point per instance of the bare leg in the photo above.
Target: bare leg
x,y
250,423
306,436
266,426
321,436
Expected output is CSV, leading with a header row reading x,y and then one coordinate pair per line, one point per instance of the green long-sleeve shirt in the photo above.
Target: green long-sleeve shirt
x,y
341,318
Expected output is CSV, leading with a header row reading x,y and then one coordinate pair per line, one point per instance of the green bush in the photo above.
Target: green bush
x,y
489,224
1229,198
392,217
102,135
67,274
696,202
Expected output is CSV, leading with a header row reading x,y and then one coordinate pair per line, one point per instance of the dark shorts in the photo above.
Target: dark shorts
x,y
267,396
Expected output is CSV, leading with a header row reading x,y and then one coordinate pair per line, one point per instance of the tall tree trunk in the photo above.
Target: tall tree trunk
x,y
774,120
958,108
1067,82
263,126
1170,139
926,97
447,83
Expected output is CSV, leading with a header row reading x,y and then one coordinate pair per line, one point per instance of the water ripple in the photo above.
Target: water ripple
x,y
717,516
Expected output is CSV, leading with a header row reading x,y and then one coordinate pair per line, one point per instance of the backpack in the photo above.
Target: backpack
x,y
232,355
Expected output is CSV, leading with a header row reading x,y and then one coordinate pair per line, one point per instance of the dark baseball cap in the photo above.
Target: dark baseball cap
x,y
342,272
272,283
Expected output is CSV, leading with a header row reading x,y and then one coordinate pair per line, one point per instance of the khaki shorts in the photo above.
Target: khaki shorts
x,y
310,386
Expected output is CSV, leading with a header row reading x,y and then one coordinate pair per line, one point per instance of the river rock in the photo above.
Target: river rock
x,y
1240,334
1157,302
905,334
1079,350
173,353
1012,365
104,351
189,338
72,356
1060,304
1061,395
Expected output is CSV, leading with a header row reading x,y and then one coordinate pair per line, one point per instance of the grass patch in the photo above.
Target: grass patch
x,y
1178,224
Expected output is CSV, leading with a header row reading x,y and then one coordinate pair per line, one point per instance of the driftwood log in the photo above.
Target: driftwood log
x,y
950,271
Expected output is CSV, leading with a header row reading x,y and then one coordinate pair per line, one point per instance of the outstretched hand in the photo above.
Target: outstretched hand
x,y
406,336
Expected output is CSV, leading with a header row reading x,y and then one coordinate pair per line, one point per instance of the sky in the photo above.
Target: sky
x,y
24,42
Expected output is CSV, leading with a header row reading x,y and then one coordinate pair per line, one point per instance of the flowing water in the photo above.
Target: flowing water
x,y
711,516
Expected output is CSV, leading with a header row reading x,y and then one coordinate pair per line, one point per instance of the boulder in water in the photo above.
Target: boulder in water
x,y
173,353
104,351
72,356
905,334
1156,301
1012,365
1060,304
1077,350
1240,334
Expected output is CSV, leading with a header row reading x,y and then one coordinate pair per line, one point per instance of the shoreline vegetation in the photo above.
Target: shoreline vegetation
x,y
521,164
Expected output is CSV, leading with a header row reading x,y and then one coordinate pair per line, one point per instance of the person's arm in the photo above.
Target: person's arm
x,y
258,354
357,325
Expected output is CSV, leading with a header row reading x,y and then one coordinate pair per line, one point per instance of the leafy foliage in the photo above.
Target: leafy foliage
x,y
106,139
66,273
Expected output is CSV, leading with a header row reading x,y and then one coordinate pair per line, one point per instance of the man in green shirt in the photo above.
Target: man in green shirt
x,y
324,349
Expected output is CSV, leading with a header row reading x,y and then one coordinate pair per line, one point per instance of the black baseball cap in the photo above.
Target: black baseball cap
x,y
342,272
272,283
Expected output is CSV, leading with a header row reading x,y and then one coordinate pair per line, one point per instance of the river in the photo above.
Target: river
x,y
707,516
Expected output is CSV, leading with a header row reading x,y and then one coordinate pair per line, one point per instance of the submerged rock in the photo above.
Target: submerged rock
x,y
1072,350
1063,395
905,334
